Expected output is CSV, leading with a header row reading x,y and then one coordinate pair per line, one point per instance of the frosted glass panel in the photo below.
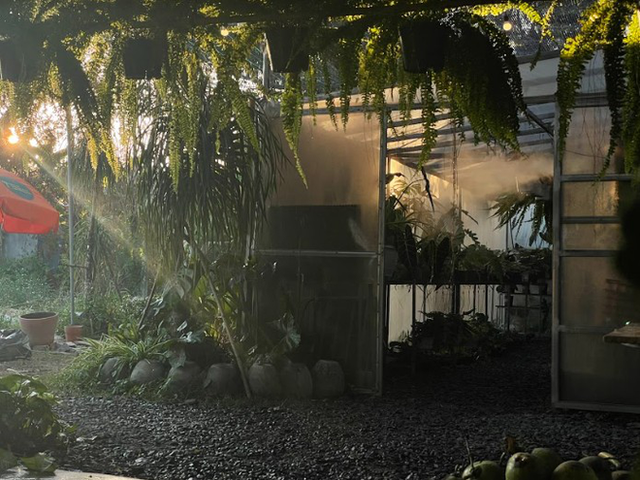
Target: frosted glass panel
x,y
339,209
588,142
323,240
589,292
334,302
597,372
596,236
588,199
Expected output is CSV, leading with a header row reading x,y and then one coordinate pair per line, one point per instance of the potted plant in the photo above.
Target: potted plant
x,y
144,58
73,332
424,43
400,242
286,46
40,327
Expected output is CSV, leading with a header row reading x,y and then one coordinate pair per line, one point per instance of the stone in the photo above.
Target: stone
x,y
264,380
328,379
109,371
223,379
147,371
183,376
296,381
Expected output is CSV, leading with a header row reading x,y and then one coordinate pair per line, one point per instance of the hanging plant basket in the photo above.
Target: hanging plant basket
x,y
143,58
286,48
424,43
13,65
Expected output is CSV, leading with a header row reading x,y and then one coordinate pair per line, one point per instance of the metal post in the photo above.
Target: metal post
x,y
383,303
71,213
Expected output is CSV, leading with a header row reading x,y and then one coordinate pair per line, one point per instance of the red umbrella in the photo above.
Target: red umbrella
x,y
23,209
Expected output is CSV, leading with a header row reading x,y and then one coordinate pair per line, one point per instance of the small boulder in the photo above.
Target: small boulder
x,y
296,381
264,380
111,371
222,379
183,376
147,371
328,379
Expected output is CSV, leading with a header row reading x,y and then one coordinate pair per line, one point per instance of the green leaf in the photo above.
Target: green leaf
x,y
290,336
41,463
7,460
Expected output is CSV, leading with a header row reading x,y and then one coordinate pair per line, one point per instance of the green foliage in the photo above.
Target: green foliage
x,y
631,110
27,421
484,261
220,199
513,208
25,284
606,25
102,314
126,344
448,334
480,81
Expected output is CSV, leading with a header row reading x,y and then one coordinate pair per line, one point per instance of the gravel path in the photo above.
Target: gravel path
x,y
415,431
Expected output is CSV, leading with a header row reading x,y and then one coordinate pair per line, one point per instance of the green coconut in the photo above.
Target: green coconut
x,y
485,470
599,465
523,466
573,470
452,476
548,460
621,475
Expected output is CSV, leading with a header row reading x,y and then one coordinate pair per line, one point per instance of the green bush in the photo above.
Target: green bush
x,y
25,286
28,424
103,314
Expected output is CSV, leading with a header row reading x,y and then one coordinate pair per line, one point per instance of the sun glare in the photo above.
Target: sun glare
x,y
13,138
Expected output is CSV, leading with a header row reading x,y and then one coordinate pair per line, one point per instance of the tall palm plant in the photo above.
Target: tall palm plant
x,y
210,203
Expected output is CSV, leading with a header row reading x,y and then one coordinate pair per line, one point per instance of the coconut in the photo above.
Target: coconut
x,y
573,470
621,475
599,465
485,470
523,466
548,460
452,476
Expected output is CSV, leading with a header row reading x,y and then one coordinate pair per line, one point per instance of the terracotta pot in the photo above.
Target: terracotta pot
x,y
73,333
40,327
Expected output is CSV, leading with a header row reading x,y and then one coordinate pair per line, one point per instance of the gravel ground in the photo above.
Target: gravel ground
x,y
415,431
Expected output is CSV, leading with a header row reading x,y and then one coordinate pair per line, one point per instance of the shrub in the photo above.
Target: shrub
x,y
28,424
24,285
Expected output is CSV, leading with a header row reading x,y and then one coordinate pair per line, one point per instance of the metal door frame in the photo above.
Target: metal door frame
x,y
559,252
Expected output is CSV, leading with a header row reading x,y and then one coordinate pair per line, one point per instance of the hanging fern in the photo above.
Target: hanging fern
x,y
292,116
603,26
429,108
515,208
631,112
378,65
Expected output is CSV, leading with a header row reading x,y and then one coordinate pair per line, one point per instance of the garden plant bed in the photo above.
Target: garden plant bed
x,y
415,430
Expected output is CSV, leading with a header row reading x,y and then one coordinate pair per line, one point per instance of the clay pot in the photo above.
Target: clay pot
x,y
73,333
40,327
